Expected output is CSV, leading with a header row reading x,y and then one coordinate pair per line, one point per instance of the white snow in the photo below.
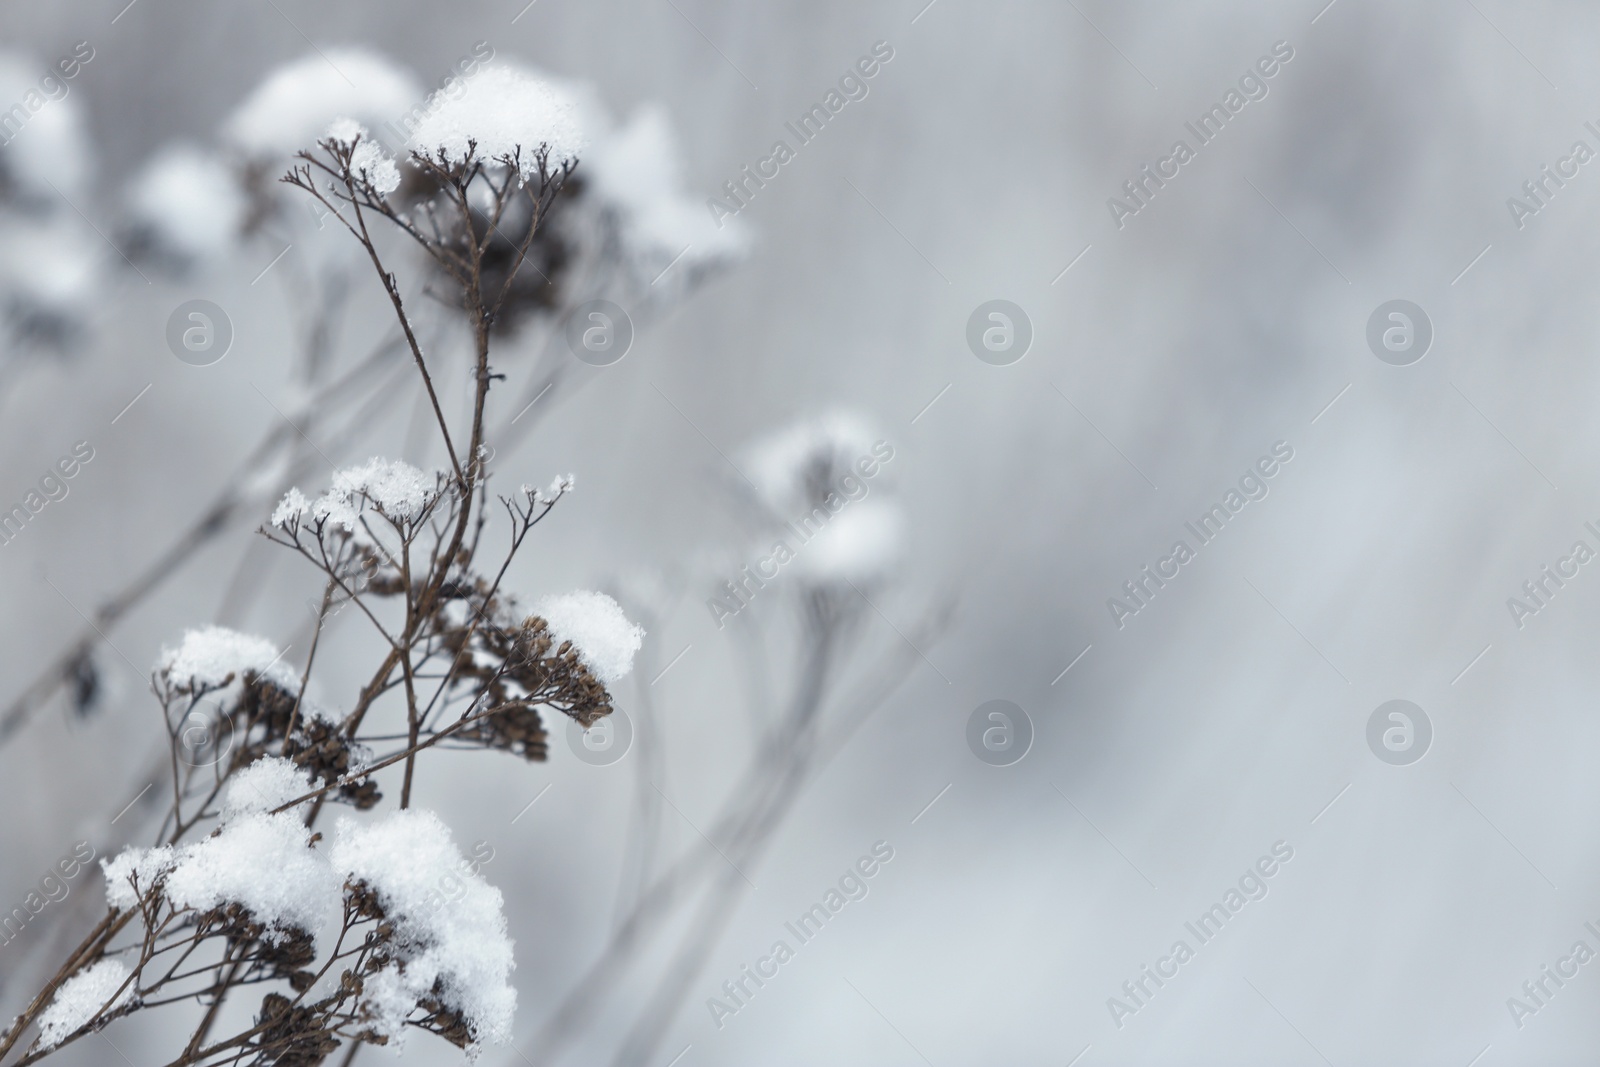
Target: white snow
x,y
46,265
559,487
450,926
398,490
251,793
368,160
378,169
263,862
144,864
52,146
51,259
595,624
387,998
269,782
189,200
80,999
292,108
405,857
207,656
504,109
782,464
256,859
260,860
344,129
858,544
637,172
293,505
813,465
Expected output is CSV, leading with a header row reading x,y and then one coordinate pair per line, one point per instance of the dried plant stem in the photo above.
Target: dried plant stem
x,y
551,679
225,509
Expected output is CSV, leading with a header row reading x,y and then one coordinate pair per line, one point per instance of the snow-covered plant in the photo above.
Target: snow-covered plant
x,y
244,883
186,210
666,243
805,598
624,228
241,888
820,485
49,259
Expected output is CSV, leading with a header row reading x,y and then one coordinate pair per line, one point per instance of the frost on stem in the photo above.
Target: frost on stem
x,y
562,485
293,505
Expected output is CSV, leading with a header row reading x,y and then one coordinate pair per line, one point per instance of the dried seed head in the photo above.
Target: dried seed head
x,y
292,1035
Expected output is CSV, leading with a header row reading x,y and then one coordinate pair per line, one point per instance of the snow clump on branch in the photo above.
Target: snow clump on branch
x,y
211,656
259,860
367,159
505,112
401,493
460,953
595,624
79,999
452,960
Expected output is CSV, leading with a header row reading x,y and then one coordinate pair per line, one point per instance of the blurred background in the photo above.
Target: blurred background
x,y
1168,354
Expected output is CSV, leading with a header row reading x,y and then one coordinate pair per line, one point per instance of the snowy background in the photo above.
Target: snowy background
x,y
1228,715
